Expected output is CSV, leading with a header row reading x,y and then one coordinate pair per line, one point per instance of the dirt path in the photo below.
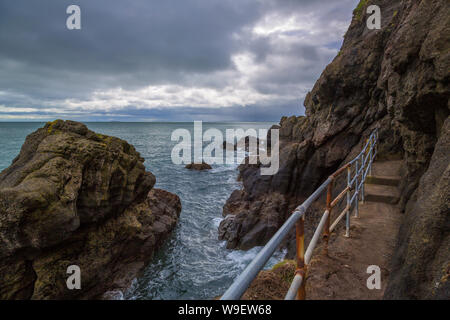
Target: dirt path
x,y
343,273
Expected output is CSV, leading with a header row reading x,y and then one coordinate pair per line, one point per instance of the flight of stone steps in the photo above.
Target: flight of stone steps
x,y
382,185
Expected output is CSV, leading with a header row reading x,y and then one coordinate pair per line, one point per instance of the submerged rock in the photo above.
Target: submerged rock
x,y
198,166
75,197
395,79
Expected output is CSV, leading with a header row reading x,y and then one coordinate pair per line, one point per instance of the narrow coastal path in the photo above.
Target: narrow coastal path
x,y
342,274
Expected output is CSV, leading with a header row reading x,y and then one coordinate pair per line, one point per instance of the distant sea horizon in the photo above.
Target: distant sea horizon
x,y
160,121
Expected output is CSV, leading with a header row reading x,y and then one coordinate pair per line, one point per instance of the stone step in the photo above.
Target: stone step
x,y
390,168
381,193
383,180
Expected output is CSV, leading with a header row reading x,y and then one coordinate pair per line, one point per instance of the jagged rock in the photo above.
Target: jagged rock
x,y
395,79
198,166
245,227
74,197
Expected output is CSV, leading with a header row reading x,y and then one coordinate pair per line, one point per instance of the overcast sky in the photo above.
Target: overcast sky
x,y
165,60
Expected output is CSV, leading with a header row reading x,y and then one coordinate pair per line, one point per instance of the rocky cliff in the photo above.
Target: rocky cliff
x,y
75,197
395,79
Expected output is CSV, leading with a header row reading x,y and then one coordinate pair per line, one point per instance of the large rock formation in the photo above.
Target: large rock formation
x,y
422,259
74,197
395,79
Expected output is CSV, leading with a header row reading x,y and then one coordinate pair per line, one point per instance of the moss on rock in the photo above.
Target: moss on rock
x,y
73,196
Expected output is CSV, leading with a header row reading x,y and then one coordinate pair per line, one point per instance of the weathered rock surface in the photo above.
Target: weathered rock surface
x,y
395,79
74,197
422,259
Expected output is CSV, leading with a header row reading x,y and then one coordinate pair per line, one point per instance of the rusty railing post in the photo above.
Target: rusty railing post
x,y
301,267
356,189
370,156
326,232
347,214
376,143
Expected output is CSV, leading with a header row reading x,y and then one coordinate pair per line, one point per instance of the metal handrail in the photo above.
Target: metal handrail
x,y
297,218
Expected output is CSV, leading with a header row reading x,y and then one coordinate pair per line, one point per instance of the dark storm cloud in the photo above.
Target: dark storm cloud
x,y
136,40
175,44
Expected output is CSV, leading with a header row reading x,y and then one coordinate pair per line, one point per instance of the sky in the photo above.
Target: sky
x,y
165,60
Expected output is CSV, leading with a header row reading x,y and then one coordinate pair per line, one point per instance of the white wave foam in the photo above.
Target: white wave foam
x,y
243,258
217,221
224,168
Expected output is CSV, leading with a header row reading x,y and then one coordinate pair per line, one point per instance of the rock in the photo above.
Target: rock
x,y
271,284
244,143
248,142
74,197
421,264
198,166
229,146
395,79
113,295
245,228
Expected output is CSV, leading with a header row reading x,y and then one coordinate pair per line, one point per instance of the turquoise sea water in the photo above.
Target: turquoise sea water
x,y
193,264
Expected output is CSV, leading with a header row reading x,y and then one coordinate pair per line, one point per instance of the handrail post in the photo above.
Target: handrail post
x,y
326,232
376,145
363,169
371,155
376,142
356,189
301,267
347,222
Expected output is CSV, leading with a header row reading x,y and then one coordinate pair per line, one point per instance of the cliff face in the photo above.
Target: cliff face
x,y
74,197
395,79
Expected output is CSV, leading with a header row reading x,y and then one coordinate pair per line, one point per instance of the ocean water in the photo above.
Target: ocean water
x,y
193,263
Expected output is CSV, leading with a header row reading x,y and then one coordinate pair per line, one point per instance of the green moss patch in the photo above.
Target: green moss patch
x,y
285,270
359,9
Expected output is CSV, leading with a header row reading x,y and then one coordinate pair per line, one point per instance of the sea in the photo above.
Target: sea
x,y
192,264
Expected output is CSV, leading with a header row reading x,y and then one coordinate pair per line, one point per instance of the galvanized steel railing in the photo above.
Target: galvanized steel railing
x,y
363,166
